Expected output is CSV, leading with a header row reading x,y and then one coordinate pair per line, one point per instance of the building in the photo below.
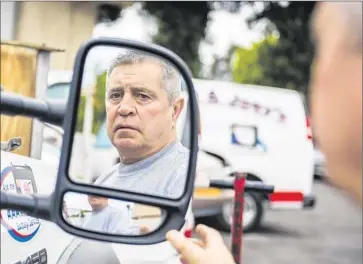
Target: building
x,y
63,25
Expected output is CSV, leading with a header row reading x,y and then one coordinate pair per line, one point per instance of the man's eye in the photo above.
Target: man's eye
x,y
143,96
114,96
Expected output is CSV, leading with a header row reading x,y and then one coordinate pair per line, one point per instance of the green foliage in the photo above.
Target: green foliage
x,y
181,26
247,63
98,105
287,64
99,102
80,116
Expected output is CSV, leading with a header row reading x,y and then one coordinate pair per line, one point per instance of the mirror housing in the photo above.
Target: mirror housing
x,y
50,207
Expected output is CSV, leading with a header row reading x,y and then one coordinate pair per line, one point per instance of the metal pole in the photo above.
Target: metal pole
x,y
40,93
237,225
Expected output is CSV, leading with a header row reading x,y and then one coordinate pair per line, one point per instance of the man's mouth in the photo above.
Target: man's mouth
x,y
120,127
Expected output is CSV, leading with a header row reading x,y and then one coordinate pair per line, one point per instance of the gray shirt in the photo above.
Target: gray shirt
x,y
111,220
162,174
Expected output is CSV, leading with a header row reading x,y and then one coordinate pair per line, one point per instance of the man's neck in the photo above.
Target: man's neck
x,y
131,160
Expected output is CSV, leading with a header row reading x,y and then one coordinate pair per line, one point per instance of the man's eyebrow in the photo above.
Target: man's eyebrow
x,y
134,88
115,89
142,89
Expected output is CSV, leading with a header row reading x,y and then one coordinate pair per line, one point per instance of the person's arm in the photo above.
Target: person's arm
x,y
121,223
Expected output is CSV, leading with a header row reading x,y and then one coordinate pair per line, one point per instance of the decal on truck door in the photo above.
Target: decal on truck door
x,y
19,179
39,257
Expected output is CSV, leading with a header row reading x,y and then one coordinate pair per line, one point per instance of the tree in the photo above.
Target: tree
x,y
287,64
181,26
247,63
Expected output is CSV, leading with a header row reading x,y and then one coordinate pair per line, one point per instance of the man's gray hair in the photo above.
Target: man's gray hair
x,y
171,79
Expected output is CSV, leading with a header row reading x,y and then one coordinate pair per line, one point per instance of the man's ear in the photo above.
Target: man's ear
x,y
178,106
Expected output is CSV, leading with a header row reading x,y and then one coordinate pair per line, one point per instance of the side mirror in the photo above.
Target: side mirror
x,y
136,87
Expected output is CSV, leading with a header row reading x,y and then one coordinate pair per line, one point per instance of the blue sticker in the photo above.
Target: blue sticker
x,y
20,226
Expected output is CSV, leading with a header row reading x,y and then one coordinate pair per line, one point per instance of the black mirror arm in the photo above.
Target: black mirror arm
x,y
249,185
46,111
33,205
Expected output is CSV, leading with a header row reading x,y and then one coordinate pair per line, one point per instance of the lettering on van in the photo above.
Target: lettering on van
x,y
246,105
39,257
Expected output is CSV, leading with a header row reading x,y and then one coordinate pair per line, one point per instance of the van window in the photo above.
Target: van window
x,y
58,91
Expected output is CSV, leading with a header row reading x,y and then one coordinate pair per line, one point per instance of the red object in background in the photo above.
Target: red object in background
x,y
237,225
286,197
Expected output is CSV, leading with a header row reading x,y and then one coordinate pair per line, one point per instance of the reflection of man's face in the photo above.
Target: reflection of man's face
x,y
140,118
97,202
336,94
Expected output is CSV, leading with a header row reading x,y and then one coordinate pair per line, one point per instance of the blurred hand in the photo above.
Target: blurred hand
x,y
144,229
210,249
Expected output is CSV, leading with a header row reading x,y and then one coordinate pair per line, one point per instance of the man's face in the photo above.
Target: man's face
x,y
336,97
140,118
97,202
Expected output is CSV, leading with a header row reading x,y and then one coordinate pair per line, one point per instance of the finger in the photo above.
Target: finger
x,y
209,236
190,251
197,242
177,240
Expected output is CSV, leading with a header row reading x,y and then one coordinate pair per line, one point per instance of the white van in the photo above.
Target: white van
x,y
273,124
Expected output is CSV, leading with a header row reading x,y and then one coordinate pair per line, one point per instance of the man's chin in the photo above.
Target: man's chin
x,y
126,143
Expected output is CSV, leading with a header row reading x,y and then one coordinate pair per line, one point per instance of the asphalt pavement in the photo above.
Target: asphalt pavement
x,y
331,233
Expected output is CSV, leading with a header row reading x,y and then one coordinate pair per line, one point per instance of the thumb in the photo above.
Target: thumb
x,y
189,250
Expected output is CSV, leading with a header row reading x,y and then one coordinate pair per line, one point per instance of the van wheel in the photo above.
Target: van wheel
x,y
252,213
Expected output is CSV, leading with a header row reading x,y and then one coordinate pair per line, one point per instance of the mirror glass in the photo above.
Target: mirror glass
x,y
133,125
110,216
244,135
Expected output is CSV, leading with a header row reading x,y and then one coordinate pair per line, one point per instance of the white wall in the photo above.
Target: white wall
x,y
8,20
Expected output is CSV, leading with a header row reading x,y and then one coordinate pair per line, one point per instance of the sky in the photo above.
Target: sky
x,y
224,29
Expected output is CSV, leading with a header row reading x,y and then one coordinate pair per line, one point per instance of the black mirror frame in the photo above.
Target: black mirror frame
x,y
175,209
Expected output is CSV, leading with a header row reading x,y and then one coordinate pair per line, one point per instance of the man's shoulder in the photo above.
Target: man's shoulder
x,y
181,148
182,154
107,174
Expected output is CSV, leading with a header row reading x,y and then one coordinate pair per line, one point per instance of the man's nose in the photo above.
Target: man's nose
x,y
127,106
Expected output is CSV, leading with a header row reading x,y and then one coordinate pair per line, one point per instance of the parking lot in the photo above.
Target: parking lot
x,y
329,234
